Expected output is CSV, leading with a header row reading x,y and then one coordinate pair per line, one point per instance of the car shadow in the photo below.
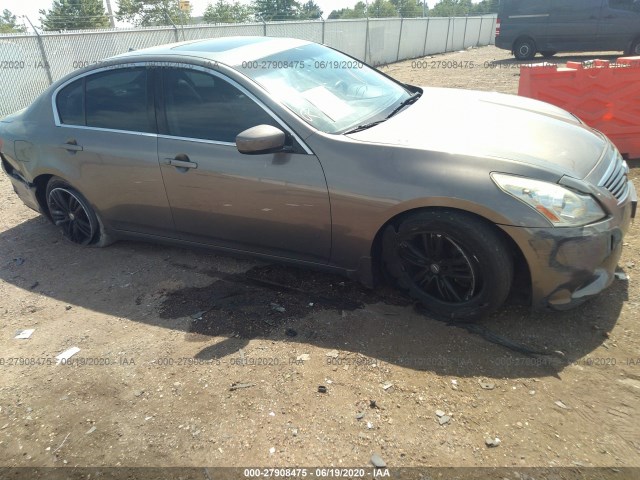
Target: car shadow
x,y
223,303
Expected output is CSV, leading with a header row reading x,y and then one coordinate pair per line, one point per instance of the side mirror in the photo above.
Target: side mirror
x,y
260,139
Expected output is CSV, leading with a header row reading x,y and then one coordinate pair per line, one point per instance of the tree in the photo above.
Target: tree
x,y
377,9
226,12
8,23
486,6
74,15
270,10
452,8
408,8
358,11
382,9
144,13
310,11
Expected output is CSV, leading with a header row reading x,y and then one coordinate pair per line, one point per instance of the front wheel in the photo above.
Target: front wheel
x,y
524,49
634,51
454,263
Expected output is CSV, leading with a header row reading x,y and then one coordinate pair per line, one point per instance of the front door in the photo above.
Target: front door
x,y
275,204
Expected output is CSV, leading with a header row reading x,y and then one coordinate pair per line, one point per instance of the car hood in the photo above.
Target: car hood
x,y
490,124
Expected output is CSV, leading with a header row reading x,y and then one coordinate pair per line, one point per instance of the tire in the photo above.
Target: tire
x,y
73,215
524,49
634,51
548,54
458,266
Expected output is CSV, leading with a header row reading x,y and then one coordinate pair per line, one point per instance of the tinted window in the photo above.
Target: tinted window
x,y
117,99
199,105
629,5
70,103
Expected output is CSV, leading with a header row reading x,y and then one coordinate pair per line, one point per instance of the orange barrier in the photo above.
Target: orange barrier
x,y
605,96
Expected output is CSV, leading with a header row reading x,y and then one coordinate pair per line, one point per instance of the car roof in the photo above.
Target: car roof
x,y
227,50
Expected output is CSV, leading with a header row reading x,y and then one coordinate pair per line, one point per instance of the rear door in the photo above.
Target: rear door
x,y
619,25
573,25
106,147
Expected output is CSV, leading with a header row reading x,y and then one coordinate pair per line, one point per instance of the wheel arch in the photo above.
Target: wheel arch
x,y
41,182
522,271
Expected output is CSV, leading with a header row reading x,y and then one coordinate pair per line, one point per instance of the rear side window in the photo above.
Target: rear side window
x,y
70,103
117,99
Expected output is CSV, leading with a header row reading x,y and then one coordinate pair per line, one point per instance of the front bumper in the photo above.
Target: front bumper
x,y
569,265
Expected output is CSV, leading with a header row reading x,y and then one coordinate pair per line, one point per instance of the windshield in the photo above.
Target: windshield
x,y
327,89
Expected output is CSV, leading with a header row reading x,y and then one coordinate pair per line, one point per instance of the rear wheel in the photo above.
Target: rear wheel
x,y
634,51
524,49
73,214
455,264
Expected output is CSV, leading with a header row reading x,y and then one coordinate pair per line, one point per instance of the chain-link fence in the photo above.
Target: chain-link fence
x,y
30,63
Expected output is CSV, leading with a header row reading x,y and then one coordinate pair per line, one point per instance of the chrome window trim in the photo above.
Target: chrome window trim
x,y
198,140
157,64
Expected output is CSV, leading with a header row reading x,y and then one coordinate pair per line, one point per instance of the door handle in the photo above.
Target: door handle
x,y
174,162
71,146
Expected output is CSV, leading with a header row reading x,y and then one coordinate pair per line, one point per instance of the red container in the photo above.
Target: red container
x,y
605,96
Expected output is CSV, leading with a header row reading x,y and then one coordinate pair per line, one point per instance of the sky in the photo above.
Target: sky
x,y
30,8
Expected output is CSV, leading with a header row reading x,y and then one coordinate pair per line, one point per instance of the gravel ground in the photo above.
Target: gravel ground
x,y
193,359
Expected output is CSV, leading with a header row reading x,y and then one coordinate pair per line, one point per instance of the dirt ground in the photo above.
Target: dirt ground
x,y
192,359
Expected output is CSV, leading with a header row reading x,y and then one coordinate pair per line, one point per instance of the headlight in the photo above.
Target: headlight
x,y
561,206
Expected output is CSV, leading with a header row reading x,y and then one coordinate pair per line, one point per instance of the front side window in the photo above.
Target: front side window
x,y
325,88
201,105
115,99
